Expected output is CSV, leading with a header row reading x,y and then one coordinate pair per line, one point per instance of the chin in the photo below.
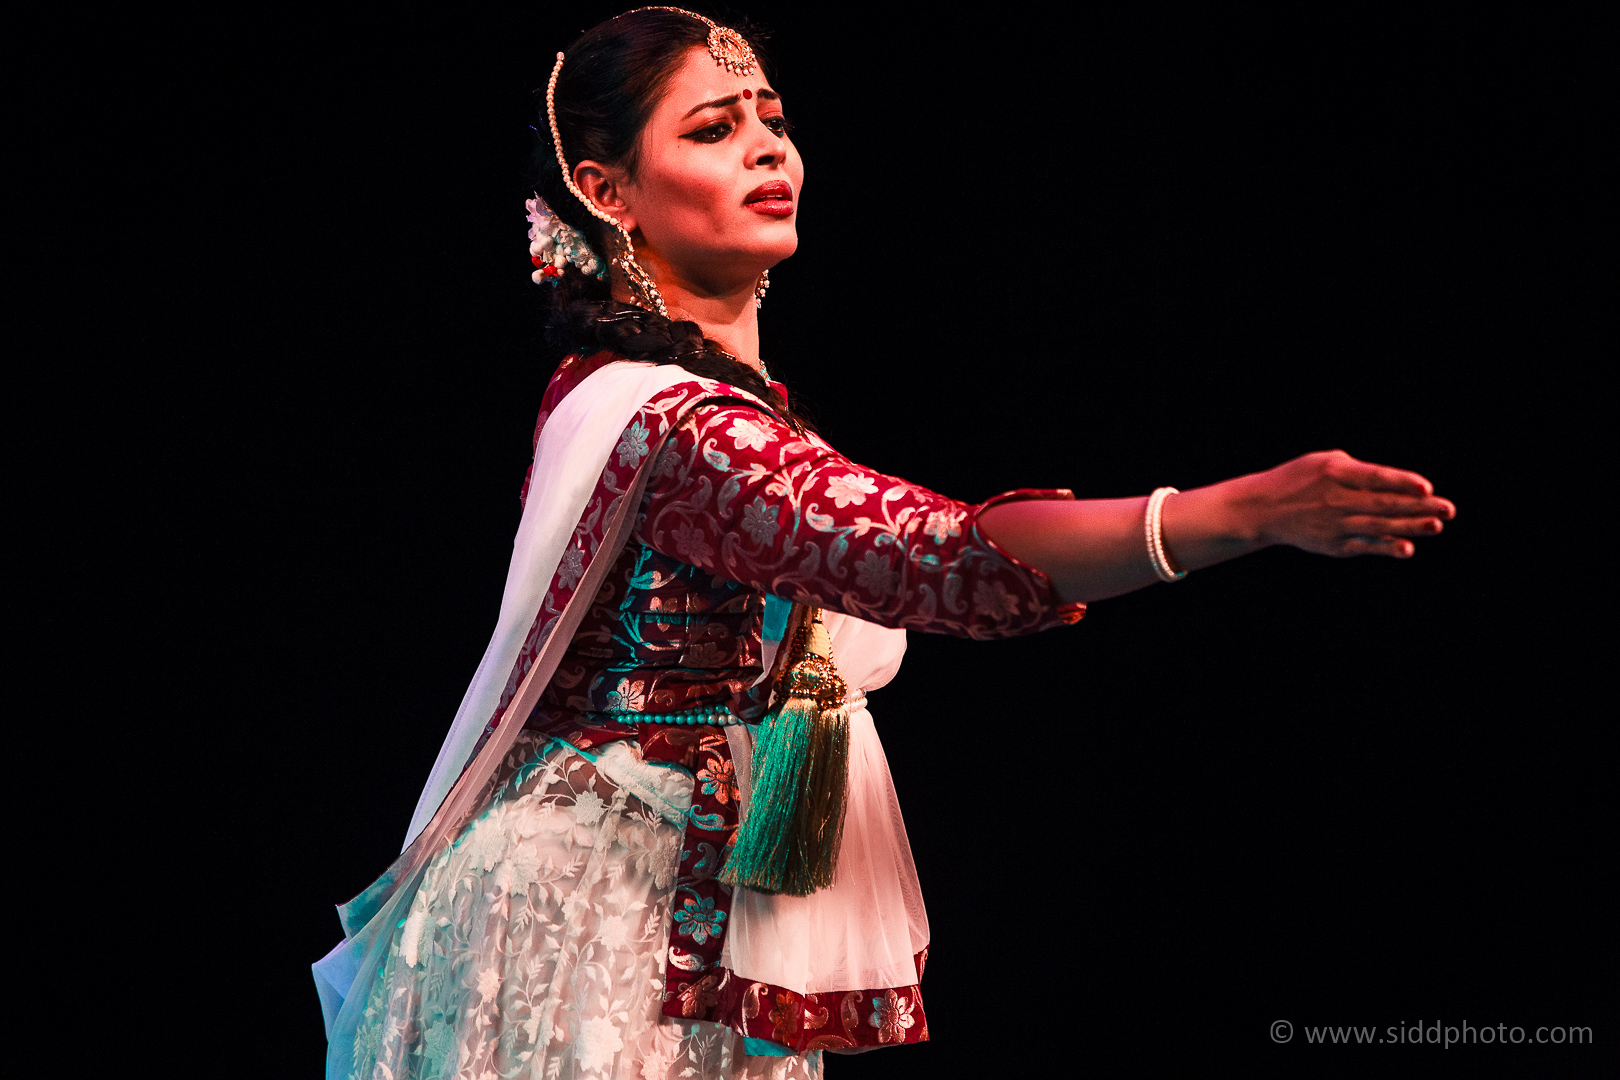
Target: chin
x,y
743,262
783,252
751,261
780,247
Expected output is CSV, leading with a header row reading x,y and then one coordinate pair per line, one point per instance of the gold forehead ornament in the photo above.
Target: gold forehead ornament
x,y
729,48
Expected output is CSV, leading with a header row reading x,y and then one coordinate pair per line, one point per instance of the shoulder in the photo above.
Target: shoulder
x,y
688,398
651,400
737,438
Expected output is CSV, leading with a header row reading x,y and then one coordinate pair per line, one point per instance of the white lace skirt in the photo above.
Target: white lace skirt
x,y
535,945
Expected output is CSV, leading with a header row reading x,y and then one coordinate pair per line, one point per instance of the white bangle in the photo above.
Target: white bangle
x,y
1155,536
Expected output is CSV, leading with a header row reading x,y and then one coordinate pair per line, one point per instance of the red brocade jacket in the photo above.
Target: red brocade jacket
x,y
740,505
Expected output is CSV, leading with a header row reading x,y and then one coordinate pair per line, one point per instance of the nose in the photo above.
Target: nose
x,y
766,148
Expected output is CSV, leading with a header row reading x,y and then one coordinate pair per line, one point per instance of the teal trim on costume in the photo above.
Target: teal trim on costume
x,y
765,1048
556,742
777,611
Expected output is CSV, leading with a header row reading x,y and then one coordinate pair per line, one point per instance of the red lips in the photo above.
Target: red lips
x,y
774,199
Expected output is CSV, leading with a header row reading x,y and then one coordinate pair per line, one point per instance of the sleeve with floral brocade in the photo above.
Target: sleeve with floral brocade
x,y
739,493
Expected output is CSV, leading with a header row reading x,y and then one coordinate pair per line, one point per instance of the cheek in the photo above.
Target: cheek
x,y
693,201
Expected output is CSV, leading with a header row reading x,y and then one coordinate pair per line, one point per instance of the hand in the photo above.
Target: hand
x,y
1332,504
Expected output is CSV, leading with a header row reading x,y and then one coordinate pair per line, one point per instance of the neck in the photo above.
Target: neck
x,y
726,312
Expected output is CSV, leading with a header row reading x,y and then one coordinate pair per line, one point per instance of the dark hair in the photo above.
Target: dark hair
x,y
610,82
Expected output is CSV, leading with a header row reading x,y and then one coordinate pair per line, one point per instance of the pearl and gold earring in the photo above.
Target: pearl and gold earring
x,y
642,287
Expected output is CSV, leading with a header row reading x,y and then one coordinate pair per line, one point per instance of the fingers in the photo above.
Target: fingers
x,y
1369,477
1364,525
1388,545
1391,504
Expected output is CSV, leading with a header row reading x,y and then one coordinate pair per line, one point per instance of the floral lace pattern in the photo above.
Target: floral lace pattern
x,y
534,946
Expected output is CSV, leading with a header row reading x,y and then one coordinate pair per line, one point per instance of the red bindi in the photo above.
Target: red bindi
x,y
747,94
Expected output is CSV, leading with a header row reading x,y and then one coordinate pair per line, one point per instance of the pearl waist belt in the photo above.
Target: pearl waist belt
x,y
855,699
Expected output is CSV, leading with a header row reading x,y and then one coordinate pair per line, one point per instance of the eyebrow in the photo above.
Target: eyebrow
x,y
727,102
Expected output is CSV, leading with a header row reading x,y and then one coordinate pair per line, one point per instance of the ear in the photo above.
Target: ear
x,y
603,187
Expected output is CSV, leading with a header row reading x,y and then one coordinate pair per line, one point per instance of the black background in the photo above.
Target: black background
x,y
1071,250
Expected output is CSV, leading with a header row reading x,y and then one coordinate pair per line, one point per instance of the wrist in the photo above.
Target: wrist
x,y
1243,513
1212,524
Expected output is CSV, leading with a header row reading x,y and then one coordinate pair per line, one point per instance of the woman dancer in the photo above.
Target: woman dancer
x,y
660,839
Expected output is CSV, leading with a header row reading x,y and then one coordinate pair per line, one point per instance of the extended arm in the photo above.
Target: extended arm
x,y
740,494
1326,502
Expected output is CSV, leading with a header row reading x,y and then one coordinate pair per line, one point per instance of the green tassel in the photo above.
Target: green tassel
x,y
789,840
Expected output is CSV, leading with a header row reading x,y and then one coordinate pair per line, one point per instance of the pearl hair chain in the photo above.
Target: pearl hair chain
x,y
1152,525
640,282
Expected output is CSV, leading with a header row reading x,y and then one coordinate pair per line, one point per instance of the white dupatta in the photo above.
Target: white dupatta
x,y
574,447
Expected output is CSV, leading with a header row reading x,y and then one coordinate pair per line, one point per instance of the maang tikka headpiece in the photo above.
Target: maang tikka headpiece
x,y
730,51
729,48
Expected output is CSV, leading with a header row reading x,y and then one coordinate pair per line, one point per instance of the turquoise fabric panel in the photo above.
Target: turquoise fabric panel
x,y
776,617
334,974
765,1048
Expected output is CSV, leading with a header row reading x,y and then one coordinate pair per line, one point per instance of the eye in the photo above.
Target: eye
x,y
781,125
713,133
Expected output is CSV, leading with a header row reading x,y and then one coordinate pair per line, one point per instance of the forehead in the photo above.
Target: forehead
x,y
700,79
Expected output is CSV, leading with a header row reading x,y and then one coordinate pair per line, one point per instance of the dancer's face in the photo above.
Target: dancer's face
x,y
716,194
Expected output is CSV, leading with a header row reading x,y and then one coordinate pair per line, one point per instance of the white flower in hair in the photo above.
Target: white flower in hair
x,y
553,244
